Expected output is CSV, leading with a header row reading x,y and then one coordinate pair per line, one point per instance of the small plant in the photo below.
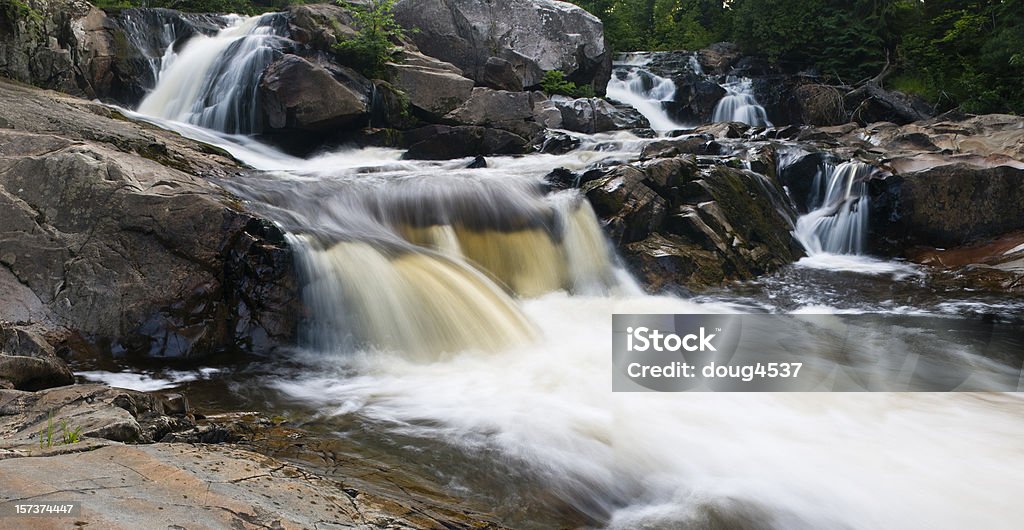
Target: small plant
x,y
374,45
554,82
68,435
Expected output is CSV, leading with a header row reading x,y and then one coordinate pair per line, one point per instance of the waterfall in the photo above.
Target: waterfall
x,y
740,105
646,92
837,220
213,82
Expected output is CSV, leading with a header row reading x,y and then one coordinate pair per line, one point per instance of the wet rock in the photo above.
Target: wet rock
x,y
441,142
631,209
679,225
946,206
556,143
693,145
594,115
695,98
534,36
298,95
107,229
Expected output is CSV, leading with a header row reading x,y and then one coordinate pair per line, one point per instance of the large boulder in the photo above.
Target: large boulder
x,y
677,224
501,109
296,94
433,88
534,36
28,361
587,115
946,206
108,230
442,142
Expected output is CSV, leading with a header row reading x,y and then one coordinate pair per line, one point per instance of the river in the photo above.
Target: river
x,y
460,327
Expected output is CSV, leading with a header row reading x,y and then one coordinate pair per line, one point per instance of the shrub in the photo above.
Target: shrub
x,y
554,82
374,45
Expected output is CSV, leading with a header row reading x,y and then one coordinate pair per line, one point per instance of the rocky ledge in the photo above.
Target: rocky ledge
x,y
113,236
94,445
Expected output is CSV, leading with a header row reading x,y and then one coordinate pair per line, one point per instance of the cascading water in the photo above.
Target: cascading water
x,y
646,92
467,311
838,216
740,105
213,81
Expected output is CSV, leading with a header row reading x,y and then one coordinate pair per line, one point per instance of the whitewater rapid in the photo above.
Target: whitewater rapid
x,y
539,400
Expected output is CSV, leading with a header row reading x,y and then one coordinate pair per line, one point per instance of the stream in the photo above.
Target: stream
x,y
460,320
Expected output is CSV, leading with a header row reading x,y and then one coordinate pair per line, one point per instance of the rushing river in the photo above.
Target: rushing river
x,y
460,324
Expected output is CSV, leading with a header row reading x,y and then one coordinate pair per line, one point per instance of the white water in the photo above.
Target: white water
x,y
838,217
766,460
385,261
213,82
740,105
645,92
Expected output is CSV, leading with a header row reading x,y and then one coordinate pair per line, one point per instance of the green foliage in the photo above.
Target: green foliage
x,y
954,53
13,10
48,435
375,44
554,82
245,7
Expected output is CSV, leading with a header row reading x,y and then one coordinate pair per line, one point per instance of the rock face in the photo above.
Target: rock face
x,y
107,229
73,47
947,206
434,88
678,224
499,109
298,95
587,115
533,36
441,142
196,484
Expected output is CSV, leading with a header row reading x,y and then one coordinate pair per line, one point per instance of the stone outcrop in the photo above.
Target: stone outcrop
x,y
532,36
586,115
112,229
678,223
83,442
298,95
442,142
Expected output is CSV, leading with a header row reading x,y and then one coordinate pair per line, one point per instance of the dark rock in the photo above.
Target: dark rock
x,y
631,208
561,178
593,115
556,143
441,142
500,74
298,95
945,206
695,99
34,373
320,26
535,36
694,145
106,230
718,58
798,177
477,163
871,103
